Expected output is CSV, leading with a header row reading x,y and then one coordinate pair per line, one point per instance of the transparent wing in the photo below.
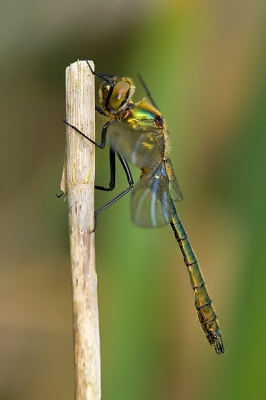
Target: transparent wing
x,y
140,145
151,204
174,188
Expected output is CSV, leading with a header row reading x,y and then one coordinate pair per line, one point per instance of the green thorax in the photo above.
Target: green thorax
x,y
143,113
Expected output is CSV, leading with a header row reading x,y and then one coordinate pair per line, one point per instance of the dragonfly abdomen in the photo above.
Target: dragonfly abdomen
x,y
205,311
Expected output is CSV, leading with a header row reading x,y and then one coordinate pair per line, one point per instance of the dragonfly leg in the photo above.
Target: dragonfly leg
x,y
112,173
103,136
60,195
99,145
112,185
100,111
101,75
124,164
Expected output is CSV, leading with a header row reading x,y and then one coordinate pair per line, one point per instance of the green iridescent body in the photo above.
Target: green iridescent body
x,y
138,132
143,139
141,115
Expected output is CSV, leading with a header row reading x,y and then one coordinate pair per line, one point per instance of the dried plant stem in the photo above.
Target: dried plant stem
x,y
78,183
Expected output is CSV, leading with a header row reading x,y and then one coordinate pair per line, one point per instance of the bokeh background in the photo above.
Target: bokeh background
x,y
204,62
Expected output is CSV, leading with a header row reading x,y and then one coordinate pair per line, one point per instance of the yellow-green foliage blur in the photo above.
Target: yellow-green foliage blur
x,y
204,63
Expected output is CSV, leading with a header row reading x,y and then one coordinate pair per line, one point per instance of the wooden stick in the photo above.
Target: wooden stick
x,y
78,183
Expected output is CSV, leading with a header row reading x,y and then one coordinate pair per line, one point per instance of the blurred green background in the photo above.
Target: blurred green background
x,y
204,62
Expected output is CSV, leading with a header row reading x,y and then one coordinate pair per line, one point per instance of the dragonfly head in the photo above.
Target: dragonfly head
x,y
115,95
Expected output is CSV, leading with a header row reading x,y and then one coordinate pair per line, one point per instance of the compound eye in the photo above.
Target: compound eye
x,y
119,95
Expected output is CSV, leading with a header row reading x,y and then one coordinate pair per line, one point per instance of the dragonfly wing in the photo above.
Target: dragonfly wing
x,y
139,145
151,204
174,188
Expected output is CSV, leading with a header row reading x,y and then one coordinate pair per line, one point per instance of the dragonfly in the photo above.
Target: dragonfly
x,y
137,133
